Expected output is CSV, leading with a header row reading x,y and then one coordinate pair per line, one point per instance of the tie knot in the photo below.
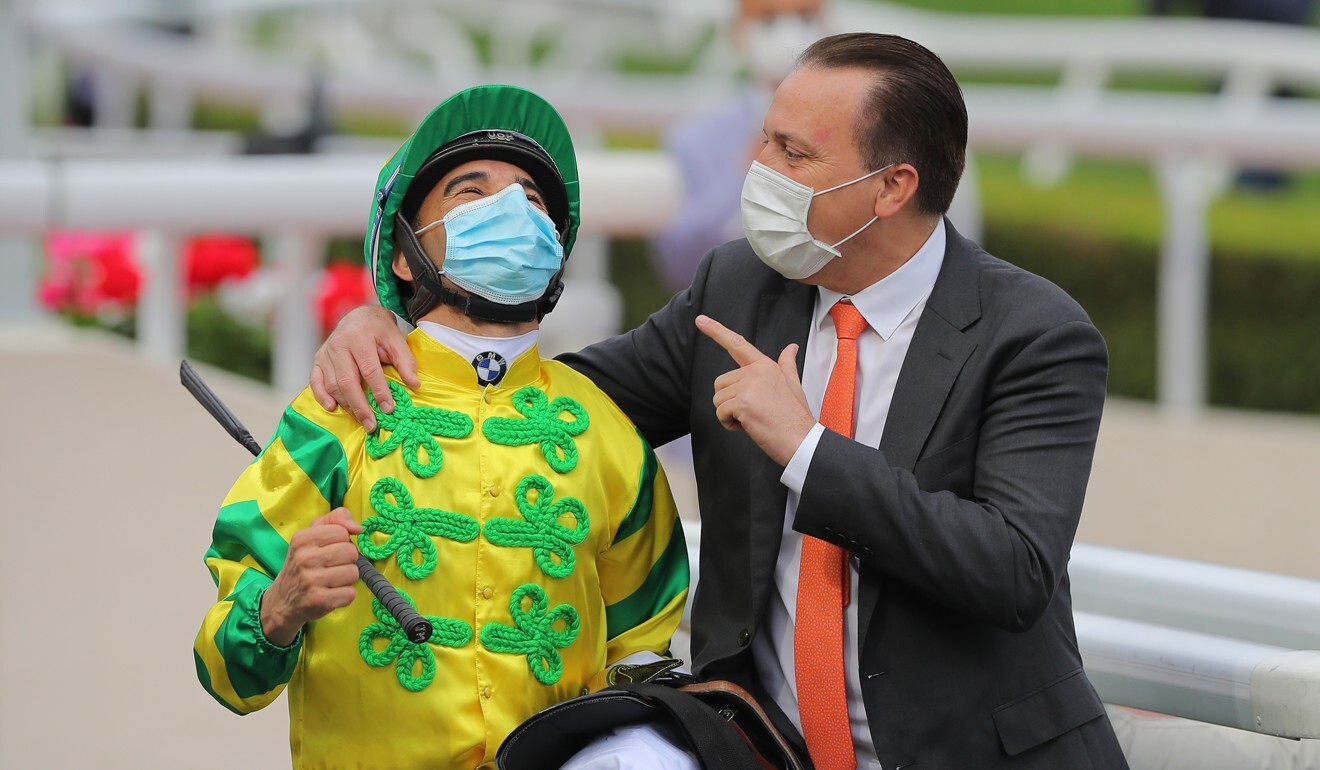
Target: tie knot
x,y
848,321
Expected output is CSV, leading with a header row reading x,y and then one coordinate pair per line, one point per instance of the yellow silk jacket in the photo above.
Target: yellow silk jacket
x,y
529,521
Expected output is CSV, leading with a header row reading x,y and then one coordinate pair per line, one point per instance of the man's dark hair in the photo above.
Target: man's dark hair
x,y
913,114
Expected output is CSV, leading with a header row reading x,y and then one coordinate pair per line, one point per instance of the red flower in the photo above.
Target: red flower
x,y
343,286
210,260
88,272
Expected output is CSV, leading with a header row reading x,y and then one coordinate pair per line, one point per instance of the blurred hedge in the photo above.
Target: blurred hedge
x,y
1264,335
219,339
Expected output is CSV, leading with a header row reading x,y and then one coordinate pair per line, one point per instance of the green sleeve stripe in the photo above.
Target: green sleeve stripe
x,y
204,676
255,667
241,530
318,453
641,510
248,578
668,578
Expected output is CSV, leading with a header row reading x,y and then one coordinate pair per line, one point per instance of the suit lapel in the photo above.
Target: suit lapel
x,y
938,351
782,319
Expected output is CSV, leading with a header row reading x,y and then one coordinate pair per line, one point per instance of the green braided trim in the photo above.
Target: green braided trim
x,y
406,654
551,542
541,425
409,530
415,428
533,633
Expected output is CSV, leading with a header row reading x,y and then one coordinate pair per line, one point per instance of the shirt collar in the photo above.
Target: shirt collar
x,y
885,303
436,361
470,345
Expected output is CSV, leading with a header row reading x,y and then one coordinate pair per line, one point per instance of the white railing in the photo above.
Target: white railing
x,y
1190,141
300,202
1154,638
1186,137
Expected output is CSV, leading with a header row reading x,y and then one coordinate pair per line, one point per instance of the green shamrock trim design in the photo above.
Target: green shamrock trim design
x,y
415,428
533,633
541,424
410,529
405,653
542,531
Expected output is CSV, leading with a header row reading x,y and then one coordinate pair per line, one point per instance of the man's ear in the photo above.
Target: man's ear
x,y
401,267
899,188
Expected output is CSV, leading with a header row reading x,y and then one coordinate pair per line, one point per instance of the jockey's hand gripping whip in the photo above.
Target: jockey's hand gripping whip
x,y
413,624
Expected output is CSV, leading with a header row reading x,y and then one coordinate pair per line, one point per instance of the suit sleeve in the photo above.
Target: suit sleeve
x,y
644,573
999,553
648,371
300,475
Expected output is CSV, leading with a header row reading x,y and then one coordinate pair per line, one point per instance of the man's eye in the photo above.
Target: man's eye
x,y
791,155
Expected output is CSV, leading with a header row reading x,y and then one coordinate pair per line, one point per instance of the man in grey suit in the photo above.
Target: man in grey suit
x,y
953,480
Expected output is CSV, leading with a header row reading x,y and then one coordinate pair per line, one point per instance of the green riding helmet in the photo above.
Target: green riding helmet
x,y
494,122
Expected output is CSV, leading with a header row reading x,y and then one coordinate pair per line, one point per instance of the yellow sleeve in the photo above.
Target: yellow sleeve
x,y
301,474
644,572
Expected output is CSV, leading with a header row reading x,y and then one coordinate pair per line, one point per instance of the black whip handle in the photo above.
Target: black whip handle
x,y
413,624
410,620
212,403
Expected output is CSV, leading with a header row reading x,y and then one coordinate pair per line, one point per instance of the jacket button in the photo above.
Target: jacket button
x,y
744,636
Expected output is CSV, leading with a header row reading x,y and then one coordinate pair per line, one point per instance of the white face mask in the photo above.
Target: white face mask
x,y
774,215
771,45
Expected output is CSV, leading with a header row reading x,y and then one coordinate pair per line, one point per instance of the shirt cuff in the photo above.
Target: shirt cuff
x,y
795,473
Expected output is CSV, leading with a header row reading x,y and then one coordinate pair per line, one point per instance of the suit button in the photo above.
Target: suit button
x,y
744,636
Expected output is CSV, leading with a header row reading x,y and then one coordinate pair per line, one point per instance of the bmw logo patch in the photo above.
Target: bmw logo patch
x,y
491,367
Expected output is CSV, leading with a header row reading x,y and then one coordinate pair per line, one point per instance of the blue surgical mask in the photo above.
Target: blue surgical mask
x,y
500,247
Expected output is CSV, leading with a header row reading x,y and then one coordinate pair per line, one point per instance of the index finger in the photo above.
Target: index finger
x,y
735,344
342,517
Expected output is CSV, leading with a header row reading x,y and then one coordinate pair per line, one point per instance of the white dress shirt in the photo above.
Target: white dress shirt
x,y
891,308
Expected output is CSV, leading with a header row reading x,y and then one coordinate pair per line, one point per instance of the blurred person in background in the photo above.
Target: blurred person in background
x,y
714,148
510,501
892,432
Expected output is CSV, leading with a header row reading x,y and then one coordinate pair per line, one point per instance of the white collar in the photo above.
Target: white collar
x,y
885,303
469,346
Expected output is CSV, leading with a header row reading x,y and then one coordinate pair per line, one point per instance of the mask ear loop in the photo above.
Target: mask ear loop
x,y
855,181
835,247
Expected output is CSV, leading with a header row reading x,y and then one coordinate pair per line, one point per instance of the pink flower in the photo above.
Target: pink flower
x,y
90,272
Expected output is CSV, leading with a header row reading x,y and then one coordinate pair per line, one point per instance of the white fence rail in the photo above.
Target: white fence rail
x,y
1191,140
1144,646
298,200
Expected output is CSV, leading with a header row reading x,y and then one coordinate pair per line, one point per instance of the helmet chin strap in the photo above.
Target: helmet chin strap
x,y
429,291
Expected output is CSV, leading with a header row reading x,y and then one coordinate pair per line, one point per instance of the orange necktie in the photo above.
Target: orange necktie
x,y
823,583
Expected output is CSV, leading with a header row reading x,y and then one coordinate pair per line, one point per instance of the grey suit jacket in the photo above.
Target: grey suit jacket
x,y
962,519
